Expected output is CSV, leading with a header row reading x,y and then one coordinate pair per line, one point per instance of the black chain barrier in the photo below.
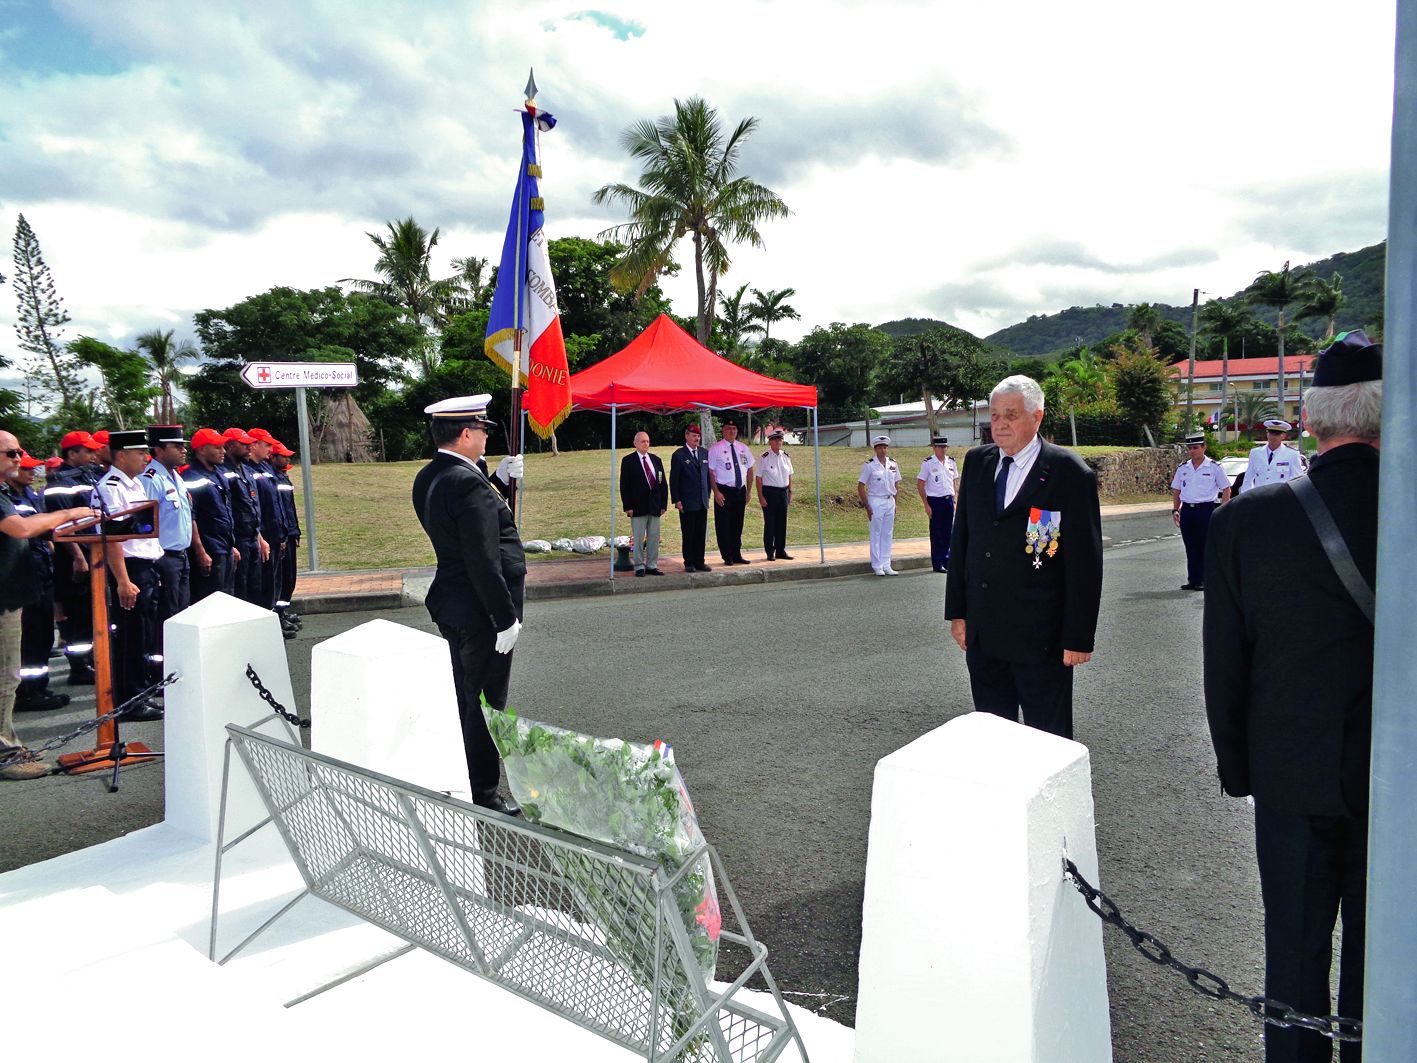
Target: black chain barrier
x,y
269,698
29,752
1266,1009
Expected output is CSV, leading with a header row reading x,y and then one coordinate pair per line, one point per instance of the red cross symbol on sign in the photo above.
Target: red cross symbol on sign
x,y
263,375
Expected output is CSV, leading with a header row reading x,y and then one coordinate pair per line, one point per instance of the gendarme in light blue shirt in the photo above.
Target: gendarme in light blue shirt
x,y
174,505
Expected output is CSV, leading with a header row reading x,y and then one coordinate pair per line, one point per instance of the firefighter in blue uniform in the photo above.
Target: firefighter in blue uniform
x,y
214,568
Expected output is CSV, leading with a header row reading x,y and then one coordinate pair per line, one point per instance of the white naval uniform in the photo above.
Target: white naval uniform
x,y
1272,466
881,482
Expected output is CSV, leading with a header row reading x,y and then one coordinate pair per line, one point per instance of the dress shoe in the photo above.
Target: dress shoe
x,y
653,572
705,568
41,702
785,557
144,711
890,571
639,572
498,803
80,676
742,561
879,571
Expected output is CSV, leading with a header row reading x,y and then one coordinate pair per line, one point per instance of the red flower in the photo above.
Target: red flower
x,y
707,916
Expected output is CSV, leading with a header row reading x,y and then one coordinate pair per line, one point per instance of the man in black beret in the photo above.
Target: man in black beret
x,y
1296,736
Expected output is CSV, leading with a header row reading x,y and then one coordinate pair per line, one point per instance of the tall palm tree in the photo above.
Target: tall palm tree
x,y
1277,289
165,356
1076,382
735,321
405,273
1321,298
1146,320
1253,408
690,186
773,306
1224,320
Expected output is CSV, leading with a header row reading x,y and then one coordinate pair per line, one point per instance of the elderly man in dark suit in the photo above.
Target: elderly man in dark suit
x,y
1021,597
1295,733
689,490
644,494
477,591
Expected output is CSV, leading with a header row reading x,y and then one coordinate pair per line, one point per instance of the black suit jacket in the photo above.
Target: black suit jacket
x,y
481,567
1012,610
1288,655
636,495
688,478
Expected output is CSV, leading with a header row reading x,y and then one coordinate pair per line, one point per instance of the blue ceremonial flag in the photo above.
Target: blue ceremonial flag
x,y
524,301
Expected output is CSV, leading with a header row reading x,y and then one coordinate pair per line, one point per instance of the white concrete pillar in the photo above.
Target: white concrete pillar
x,y
973,945
382,697
209,645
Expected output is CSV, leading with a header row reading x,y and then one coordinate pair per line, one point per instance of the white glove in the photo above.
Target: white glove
x,y
510,468
507,639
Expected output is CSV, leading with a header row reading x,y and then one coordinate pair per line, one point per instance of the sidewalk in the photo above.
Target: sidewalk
x,y
577,577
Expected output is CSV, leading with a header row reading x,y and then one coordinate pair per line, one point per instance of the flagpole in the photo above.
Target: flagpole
x,y
519,315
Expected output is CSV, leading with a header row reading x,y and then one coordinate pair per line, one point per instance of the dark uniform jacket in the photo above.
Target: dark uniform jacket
x,y
19,571
285,491
273,527
688,478
481,567
1012,610
637,497
1291,717
211,507
27,503
244,499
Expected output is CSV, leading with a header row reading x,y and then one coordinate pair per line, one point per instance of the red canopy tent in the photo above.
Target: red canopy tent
x,y
665,370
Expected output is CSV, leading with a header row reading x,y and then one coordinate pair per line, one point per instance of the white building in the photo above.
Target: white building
x,y
907,426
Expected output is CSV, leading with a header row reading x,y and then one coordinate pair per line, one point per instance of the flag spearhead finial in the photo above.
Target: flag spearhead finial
x,y
531,86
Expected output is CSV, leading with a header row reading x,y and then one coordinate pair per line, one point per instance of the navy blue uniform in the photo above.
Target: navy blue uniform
x,y
272,529
285,491
37,620
65,487
211,509
246,518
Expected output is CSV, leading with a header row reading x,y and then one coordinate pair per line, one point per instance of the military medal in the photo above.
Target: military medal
x,y
1043,535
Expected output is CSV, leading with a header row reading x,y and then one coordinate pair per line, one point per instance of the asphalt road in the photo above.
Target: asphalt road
x,y
780,699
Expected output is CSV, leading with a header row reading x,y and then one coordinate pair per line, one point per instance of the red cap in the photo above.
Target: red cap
x,y
236,435
27,462
50,464
280,448
260,435
101,437
80,439
205,437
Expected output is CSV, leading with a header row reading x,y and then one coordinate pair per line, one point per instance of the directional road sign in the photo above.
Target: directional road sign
x,y
300,374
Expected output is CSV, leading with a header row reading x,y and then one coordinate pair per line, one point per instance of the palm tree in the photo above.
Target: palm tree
x,y
735,321
165,356
689,186
1146,320
773,306
1275,289
406,278
1321,298
1224,320
1077,382
1253,408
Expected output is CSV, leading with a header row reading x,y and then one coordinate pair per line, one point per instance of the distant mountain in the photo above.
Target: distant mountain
x,y
1048,334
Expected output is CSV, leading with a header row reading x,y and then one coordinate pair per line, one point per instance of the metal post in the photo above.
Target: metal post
x,y
817,457
307,485
521,449
1191,379
612,491
1390,985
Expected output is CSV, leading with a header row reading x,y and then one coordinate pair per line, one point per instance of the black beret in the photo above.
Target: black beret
x,y
1351,359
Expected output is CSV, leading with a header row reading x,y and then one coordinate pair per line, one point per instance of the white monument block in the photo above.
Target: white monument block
x,y
974,947
382,697
209,645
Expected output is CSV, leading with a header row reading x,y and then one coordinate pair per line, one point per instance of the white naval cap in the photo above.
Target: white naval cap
x,y
461,408
876,441
1275,424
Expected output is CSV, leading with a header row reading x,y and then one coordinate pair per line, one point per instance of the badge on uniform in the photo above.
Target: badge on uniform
x,y
1045,530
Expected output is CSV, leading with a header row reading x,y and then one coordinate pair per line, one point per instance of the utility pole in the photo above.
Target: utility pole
x,y
1191,380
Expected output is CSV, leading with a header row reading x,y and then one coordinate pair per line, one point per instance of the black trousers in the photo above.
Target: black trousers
x,y
728,522
1195,526
36,640
248,572
1042,692
1311,869
74,596
134,631
775,521
286,594
942,522
693,529
222,577
174,573
271,576
479,671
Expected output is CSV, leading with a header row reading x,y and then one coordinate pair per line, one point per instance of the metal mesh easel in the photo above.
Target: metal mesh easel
x,y
587,931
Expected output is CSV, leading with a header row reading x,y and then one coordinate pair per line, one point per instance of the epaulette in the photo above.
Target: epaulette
x,y
149,473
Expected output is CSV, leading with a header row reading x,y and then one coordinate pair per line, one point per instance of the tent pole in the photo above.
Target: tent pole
x,y
612,492
817,457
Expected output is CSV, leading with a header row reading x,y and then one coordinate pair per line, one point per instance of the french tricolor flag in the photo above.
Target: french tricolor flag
x,y
524,303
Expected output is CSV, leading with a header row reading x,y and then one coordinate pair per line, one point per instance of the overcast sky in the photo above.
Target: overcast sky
x,y
972,162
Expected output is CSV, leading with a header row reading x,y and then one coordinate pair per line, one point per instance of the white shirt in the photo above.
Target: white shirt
x,y
880,480
1019,470
119,492
939,476
721,458
1284,464
775,470
1200,485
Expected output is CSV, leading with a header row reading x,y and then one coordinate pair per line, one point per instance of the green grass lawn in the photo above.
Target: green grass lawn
x,y
365,518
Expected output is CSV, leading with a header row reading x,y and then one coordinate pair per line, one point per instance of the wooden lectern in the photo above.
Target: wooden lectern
x,y
138,521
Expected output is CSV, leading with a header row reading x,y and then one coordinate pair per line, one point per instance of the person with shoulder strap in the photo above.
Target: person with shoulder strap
x,y
1293,732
